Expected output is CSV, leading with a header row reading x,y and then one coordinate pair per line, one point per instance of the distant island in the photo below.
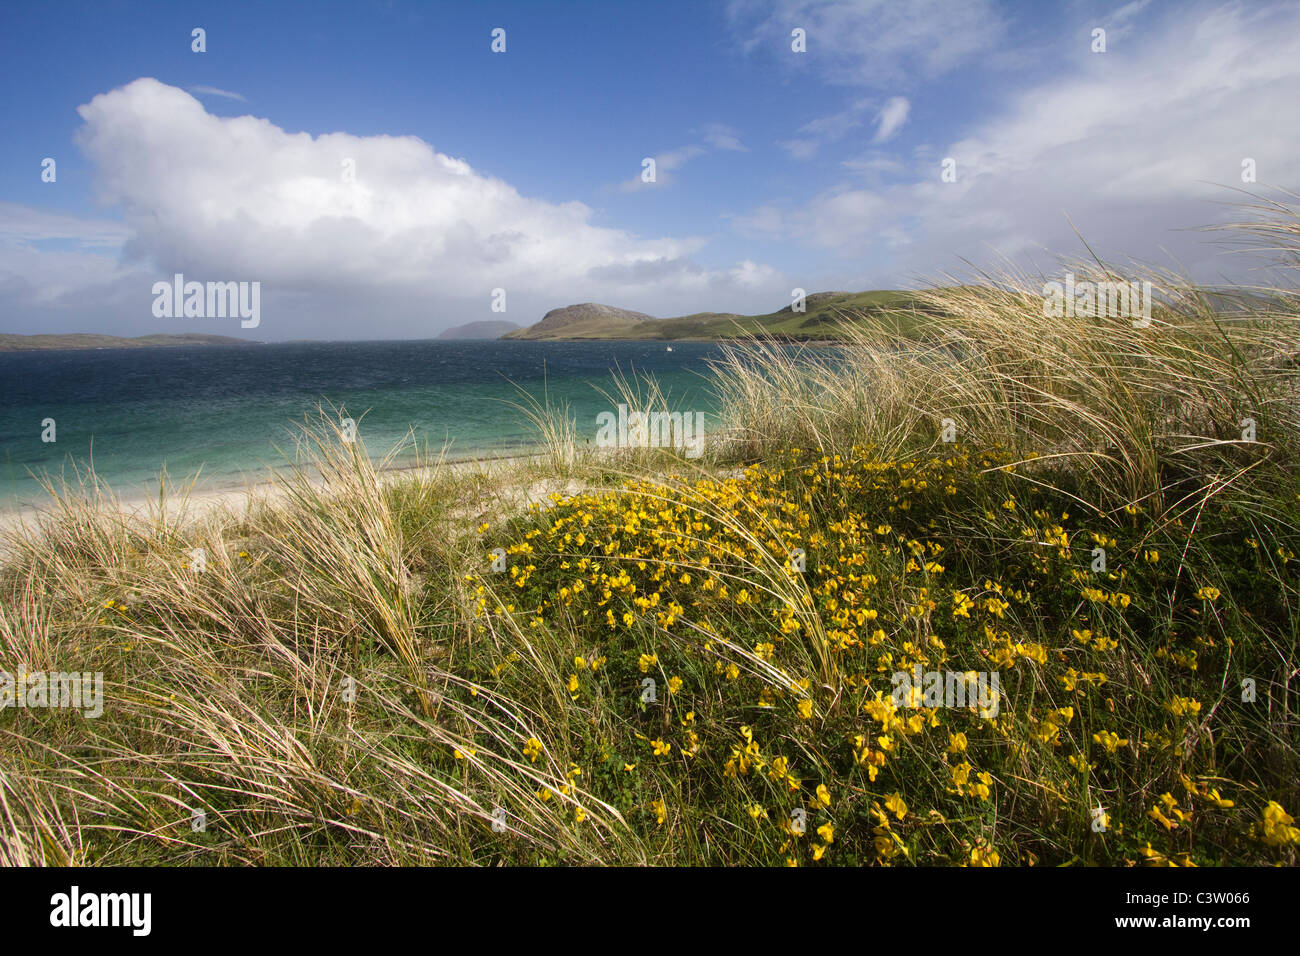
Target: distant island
x,y
488,329
89,340
825,313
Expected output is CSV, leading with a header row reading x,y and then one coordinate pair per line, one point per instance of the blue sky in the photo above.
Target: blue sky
x,y
521,170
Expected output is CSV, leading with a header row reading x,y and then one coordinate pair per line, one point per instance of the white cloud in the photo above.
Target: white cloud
x,y
213,91
665,163
417,242
800,148
1120,24
891,118
827,129
871,42
25,224
720,136
717,136
1128,147
833,127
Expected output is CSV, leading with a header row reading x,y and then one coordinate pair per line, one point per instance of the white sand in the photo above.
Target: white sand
x,y
238,499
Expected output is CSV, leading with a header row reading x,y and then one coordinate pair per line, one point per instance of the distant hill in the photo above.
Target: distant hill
x,y
89,340
898,312
590,320
487,329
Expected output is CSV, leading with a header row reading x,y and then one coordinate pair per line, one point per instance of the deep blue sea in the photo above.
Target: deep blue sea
x,y
226,413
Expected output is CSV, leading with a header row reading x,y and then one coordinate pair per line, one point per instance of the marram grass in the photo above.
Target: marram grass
x,y
697,662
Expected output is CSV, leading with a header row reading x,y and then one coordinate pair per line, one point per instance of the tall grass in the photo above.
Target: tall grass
x,y
1133,410
293,693
333,673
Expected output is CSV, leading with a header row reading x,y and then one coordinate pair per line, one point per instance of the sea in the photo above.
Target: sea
x,y
224,415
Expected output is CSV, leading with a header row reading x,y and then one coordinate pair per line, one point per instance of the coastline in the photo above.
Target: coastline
x,y
237,497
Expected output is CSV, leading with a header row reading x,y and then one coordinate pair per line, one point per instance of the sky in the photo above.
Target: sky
x,y
384,173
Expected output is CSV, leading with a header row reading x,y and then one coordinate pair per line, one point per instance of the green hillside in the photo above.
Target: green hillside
x,y
898,312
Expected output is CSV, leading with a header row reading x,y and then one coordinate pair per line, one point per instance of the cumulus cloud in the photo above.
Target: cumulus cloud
x,y
337,223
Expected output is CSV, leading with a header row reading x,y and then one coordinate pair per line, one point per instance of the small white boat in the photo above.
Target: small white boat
x,y
669,349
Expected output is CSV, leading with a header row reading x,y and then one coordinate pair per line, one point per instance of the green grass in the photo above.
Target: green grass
x,y
442,668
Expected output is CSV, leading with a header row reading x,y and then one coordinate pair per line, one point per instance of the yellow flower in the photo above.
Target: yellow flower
x,y
826,832
1208,594
896,806
661,749
580,663
805,708
532,749
984,856
1155,814
961,605
660,811
823,795
961,773
462,754
818,851
647,661
1110,740
956,743
1184,706
674,684
1277,829
629,767
573,684
579,815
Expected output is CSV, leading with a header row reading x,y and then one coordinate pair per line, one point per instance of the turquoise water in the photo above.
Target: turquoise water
x,y
227,413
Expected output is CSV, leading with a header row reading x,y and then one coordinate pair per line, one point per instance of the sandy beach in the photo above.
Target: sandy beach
x,y
137,503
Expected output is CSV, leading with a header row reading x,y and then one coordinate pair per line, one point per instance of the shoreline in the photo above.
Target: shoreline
x,y
181,495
